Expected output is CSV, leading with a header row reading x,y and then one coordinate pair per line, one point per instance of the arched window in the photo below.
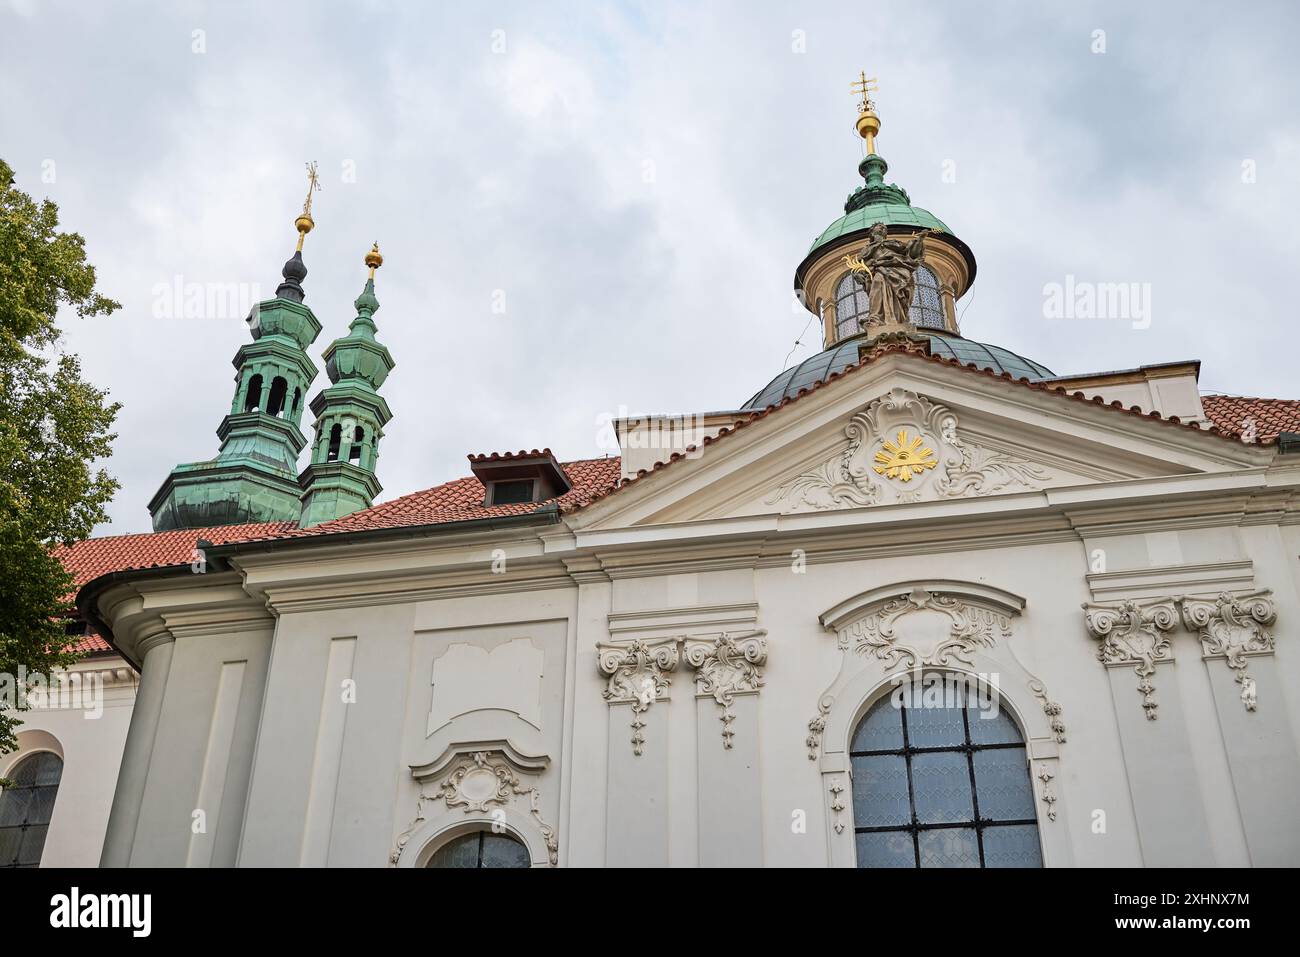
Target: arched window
x,y
943,784
926,310
275,404
253,400
354,453
851,304
481,849
26,809
336,439
297,400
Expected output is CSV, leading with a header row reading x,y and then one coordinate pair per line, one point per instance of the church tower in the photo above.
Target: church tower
x,y
350,417
254,476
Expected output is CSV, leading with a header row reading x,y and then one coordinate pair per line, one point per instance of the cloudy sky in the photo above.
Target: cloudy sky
x,y
636,183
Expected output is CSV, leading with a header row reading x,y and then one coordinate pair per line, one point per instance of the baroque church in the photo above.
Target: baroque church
x,y
919,602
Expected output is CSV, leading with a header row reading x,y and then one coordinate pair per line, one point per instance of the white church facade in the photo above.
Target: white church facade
x,y
919,603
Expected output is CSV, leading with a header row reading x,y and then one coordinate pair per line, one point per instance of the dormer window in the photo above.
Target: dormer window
x,y
514,478
511,492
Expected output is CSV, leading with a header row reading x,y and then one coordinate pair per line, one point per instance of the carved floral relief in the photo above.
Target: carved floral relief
x,y
904,448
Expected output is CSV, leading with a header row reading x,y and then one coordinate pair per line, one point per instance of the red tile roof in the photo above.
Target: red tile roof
x,y
456,501
114,553
1231,413
508,456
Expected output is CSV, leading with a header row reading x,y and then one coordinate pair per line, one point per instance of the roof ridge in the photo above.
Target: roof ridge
x,y
909,348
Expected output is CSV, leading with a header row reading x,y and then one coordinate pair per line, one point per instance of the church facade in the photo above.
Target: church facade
x,y
918,602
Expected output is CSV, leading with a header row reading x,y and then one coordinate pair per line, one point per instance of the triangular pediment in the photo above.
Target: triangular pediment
x,y
904,430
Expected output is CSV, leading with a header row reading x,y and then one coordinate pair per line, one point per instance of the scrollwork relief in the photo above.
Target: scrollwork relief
x,y
1137,633
972,627
638,674
902,437
480,782
1231,627
726,666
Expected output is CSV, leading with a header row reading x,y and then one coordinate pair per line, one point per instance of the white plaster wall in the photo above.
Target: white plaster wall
x,y
330,783
91,749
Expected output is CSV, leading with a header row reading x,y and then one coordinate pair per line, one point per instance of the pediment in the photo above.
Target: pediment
x,y
904,430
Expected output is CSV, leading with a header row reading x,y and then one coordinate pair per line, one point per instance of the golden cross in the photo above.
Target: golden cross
x,y
313,183
863,87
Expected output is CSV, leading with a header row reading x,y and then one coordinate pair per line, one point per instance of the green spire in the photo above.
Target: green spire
x,y
253,477
350,417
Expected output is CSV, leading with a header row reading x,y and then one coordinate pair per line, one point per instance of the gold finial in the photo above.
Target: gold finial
x,y
868,124
374,260
304,223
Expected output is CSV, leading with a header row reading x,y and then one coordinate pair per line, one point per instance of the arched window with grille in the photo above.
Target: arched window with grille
x,y
942,785
926,311
480,849
26,808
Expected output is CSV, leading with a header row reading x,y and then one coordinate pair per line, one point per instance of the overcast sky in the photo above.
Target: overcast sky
x,y
636,183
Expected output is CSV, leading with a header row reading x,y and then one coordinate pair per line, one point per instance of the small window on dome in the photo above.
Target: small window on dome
x,y
926,311
851,306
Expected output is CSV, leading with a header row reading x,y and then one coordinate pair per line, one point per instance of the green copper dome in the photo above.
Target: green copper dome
x,y
891,214
874,203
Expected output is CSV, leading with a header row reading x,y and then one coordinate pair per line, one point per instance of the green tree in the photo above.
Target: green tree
x,y
53,427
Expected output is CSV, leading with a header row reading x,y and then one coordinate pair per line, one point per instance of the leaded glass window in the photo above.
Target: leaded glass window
x,y
944,785
481,849
26,809
851,303
926,310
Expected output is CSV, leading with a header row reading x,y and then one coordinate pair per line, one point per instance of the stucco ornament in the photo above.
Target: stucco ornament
x,y
1048,794
1137,633
726,666
637,673
1233,626
480,782
817,727
914,447
972,626
1050,708
983,471
836,789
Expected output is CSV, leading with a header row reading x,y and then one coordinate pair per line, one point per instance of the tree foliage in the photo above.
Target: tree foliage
x,y
53,428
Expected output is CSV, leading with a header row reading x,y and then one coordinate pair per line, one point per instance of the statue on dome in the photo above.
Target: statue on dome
x,y
886,270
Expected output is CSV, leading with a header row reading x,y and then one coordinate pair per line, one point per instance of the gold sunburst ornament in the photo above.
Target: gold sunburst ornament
x,y
904,458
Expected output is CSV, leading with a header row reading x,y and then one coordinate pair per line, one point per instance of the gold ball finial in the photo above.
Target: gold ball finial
x,y
374,260
304,223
